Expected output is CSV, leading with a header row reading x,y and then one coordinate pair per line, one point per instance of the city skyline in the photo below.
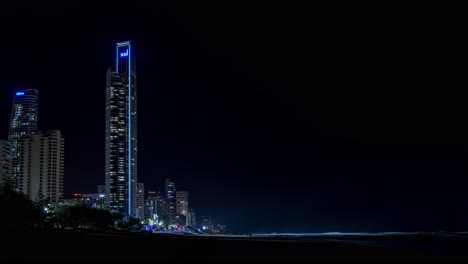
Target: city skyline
x,y
339,121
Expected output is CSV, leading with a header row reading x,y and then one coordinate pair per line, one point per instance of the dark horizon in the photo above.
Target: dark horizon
x,y
274,118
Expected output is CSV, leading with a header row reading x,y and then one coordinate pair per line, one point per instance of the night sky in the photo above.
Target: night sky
x,y
275,118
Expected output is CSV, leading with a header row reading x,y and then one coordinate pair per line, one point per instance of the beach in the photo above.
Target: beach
x,y
94,246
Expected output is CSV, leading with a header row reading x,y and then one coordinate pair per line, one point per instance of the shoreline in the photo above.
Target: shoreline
x,y
73,245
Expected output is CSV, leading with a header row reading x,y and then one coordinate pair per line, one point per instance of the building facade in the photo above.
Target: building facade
x,y
170,201
121,132
154,210
193,218
140,199
182,207
182,202
23,122
41,165
5,160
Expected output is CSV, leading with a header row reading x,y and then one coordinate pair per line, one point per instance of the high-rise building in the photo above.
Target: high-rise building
x,y
23,122
5,160
140,199
182,202
154,209
192,218
41,165
121,132
170,201
182,207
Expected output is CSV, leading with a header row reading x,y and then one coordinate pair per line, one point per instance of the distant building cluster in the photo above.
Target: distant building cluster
x,y
168,209
33,161
159,210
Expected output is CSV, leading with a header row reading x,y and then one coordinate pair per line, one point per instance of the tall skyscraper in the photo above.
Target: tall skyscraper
x,y
42,165
182,207
23,122
182,203
170,201
121,132
5,160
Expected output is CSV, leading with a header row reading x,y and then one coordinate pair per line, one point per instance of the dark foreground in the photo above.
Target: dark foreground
x,y
81,247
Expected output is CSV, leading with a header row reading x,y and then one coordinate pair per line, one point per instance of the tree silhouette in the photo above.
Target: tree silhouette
x,y
77,215
18,212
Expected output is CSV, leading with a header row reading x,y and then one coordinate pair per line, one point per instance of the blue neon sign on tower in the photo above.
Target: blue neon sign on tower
x,y
124,54
19,93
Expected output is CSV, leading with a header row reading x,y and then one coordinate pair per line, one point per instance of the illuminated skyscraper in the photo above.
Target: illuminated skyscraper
x,y
182,207
121,132
170,201
182,202
23,122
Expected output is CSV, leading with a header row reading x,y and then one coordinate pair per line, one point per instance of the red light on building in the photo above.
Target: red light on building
x,y
77,194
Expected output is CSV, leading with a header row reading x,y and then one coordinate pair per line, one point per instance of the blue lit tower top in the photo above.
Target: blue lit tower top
x,y
23,114
125,62
23,122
